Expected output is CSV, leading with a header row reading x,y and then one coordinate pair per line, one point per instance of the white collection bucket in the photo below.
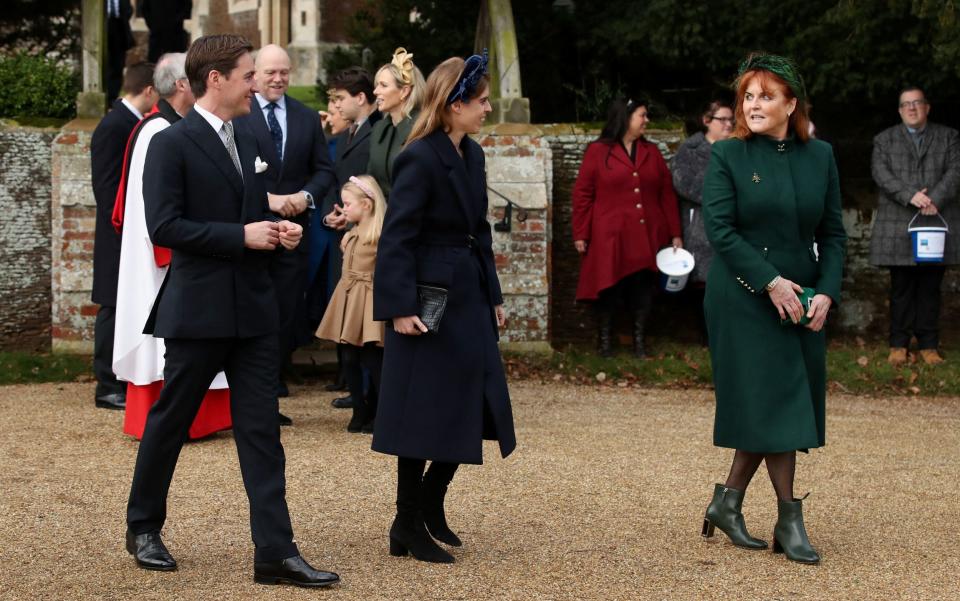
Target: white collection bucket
x,y
928,242
675,267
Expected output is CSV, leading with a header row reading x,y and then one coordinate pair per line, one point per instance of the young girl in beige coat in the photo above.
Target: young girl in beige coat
x,y
348,320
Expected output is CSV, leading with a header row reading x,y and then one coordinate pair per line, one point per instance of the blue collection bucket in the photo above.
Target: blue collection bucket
x,y
675,266
928,242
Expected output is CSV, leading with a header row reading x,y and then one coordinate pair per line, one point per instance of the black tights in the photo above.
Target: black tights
x,y
357,358
781,468
410,479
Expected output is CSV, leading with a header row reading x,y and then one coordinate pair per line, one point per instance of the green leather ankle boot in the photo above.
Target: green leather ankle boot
x,y
789,535
724,513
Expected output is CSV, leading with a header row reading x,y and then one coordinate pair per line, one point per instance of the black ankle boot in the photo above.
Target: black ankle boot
x,y
359,417
433,514
408,534
604,333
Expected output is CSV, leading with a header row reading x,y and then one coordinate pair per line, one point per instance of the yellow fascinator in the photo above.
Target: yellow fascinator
x,y
403,61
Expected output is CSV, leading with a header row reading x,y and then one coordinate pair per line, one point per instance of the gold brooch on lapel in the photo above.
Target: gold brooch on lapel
x,y
755,178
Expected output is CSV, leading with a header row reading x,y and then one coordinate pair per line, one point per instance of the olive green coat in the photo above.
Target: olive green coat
x,y
386,141
765,205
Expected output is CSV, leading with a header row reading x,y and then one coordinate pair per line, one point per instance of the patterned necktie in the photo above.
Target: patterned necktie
x,y
231,146
353,132
275,132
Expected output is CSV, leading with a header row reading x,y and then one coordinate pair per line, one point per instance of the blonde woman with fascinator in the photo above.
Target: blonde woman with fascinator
x,y
443,388
398,87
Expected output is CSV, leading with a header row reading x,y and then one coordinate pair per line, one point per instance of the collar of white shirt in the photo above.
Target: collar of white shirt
x,y
215,122
281,103
131,108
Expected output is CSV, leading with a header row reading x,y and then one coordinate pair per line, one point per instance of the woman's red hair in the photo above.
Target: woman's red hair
x,y
799,122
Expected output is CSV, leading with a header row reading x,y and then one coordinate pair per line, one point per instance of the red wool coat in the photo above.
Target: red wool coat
x,y
625,210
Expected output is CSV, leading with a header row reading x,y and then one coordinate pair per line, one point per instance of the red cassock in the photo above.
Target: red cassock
x,y
625,210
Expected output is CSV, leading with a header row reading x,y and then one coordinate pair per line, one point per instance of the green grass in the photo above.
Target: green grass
x,y
852,367
33,368
308,96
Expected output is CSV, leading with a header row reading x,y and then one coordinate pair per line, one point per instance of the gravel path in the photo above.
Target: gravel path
x,y
603,499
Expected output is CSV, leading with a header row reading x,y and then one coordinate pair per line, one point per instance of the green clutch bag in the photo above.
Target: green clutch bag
x,y
805,298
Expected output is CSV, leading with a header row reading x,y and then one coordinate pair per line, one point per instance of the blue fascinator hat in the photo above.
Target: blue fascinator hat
x,y
474,69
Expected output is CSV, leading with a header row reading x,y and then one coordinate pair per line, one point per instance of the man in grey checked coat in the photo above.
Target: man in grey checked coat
x,y
916,165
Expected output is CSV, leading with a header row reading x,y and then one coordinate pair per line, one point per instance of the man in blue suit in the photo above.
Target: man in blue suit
x,y
205,199
298,176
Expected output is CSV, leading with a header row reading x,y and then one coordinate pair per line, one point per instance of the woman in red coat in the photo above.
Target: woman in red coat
x,y
624,211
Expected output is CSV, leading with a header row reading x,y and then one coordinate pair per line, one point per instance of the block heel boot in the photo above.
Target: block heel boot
x,y
724,512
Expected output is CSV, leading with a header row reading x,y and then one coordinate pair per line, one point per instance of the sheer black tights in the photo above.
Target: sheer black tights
x,y
781,467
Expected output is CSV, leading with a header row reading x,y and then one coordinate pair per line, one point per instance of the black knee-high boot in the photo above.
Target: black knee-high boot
x,y
408,533
435,483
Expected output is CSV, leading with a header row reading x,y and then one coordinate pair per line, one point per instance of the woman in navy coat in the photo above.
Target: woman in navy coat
x,y
443,392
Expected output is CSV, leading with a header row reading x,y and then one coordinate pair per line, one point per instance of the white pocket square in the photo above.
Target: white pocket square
x,y
259,166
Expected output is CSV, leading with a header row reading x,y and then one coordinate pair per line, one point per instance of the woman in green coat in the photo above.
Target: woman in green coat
x,y
399,89
771,206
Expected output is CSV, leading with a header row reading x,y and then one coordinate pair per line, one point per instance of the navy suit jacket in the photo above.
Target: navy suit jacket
x,y
306,163
107,147
197,204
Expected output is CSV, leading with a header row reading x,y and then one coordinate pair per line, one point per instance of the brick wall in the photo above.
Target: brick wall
x,y
73,216
25,238
572,322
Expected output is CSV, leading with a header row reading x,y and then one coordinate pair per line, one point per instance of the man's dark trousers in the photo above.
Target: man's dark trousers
x,y
915,305
250,367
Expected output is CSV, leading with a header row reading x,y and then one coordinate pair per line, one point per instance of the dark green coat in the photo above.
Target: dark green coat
x,y
386,141
765,205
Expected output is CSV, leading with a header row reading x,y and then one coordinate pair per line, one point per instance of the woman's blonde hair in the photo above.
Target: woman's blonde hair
x,y
406,74
365,186
440,84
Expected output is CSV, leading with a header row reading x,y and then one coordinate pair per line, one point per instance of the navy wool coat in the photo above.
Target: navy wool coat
x,y
441,393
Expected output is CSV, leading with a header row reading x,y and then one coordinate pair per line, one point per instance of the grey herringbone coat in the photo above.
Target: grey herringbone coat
x,y
688,167
900,170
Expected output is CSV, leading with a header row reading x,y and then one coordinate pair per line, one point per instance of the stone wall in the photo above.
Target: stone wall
x,y
73,216
519,167
25,238
534,166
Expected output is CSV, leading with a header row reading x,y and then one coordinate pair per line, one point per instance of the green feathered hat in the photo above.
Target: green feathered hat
x,y
780,66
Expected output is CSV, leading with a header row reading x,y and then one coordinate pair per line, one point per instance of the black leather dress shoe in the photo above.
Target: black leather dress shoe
x,y
344,402
148,550
285,421
292,570
282,390
116,400
337,386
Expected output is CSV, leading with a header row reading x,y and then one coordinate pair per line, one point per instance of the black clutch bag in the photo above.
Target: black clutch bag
x,y
433,302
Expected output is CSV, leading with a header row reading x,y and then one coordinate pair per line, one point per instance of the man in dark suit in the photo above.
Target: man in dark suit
x,y
165,19
106,164
119,39
299,174
216,310
353,98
